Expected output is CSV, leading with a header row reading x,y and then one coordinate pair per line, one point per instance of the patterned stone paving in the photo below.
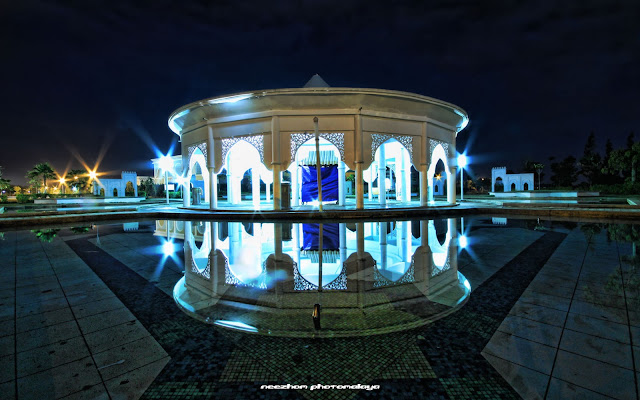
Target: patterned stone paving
x,y
444,360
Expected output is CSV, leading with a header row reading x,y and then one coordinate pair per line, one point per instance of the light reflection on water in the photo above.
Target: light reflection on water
x,y
380,276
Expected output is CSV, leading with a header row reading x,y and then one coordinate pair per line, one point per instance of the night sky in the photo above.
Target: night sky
x,y
97,80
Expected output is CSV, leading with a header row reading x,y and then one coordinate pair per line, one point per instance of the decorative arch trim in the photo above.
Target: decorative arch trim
x,y
335,138
256,141
378,139
203,148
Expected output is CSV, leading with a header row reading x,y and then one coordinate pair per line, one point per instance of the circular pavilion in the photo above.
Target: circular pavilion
x,y
378,134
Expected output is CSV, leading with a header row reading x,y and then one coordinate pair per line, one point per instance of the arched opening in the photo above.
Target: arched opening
x,y
525,186
129,190
439,179
101,192
499,185
200,244
244,172
438,167
513,187
389,176
304,175
439,240
115,192
197,177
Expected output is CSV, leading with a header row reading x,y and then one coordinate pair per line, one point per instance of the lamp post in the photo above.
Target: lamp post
x,y
62,181
166,163
462,162
92,178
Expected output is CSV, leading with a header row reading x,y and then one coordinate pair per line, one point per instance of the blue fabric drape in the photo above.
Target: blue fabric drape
x,y
330,236
309,190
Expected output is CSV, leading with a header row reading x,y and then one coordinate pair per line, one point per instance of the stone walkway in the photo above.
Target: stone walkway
x,y
64,333
574,333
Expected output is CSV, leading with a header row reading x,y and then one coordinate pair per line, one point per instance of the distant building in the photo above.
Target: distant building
x,y
114,187
501,181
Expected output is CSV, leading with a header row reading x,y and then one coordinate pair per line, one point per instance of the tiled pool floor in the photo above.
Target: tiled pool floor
x,y
551,315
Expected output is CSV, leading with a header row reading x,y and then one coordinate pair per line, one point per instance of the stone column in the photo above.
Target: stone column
x,y
229,185
451,185
359,161
186,199
343,243
295,188
213,189
359,187
407,182
382,177
382,237
213,184
277,240
255,188
426,194
276,162
341,192
372,169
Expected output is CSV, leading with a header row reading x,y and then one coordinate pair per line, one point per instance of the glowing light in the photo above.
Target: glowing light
x,y
165,163
467,284
231,99
236,325
462,160
182,181
62,180
92,175
462,241
167,248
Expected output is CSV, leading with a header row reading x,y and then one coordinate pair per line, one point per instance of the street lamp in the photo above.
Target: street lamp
x,y
166,163
62,181
462,162
92,177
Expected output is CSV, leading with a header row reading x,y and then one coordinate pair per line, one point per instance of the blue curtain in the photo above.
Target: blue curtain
x,y
330,236
309,190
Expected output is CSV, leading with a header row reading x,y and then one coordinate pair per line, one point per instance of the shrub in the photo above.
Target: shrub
x,y
4,198
24,198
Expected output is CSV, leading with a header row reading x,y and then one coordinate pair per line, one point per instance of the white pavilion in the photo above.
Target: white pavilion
x,y
378,134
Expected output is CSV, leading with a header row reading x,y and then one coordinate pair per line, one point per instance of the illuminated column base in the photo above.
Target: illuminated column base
x,y
451,186
360,187
213,190
382,177
341,179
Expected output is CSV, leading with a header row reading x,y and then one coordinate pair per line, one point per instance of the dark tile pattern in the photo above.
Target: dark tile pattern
x,y
202,365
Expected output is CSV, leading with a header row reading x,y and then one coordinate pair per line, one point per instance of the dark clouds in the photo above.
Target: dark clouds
x,y
535,77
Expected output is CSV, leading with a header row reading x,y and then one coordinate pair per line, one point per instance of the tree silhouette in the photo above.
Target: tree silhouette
x,y
42,171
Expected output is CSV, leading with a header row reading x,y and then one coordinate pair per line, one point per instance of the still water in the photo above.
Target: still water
x,y
445,308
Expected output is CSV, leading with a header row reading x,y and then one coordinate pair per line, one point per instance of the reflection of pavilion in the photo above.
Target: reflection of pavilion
x,y
379,134
376,277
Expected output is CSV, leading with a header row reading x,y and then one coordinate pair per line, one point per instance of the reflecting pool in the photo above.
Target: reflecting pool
x,y
480,307
318,280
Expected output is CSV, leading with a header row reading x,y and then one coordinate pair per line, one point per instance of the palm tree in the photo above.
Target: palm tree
x,y
41,170
538,168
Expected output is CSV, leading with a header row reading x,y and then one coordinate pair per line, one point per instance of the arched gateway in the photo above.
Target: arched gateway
x,y
358,123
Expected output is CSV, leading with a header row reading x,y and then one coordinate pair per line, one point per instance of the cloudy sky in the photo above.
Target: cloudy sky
x,y
97,80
